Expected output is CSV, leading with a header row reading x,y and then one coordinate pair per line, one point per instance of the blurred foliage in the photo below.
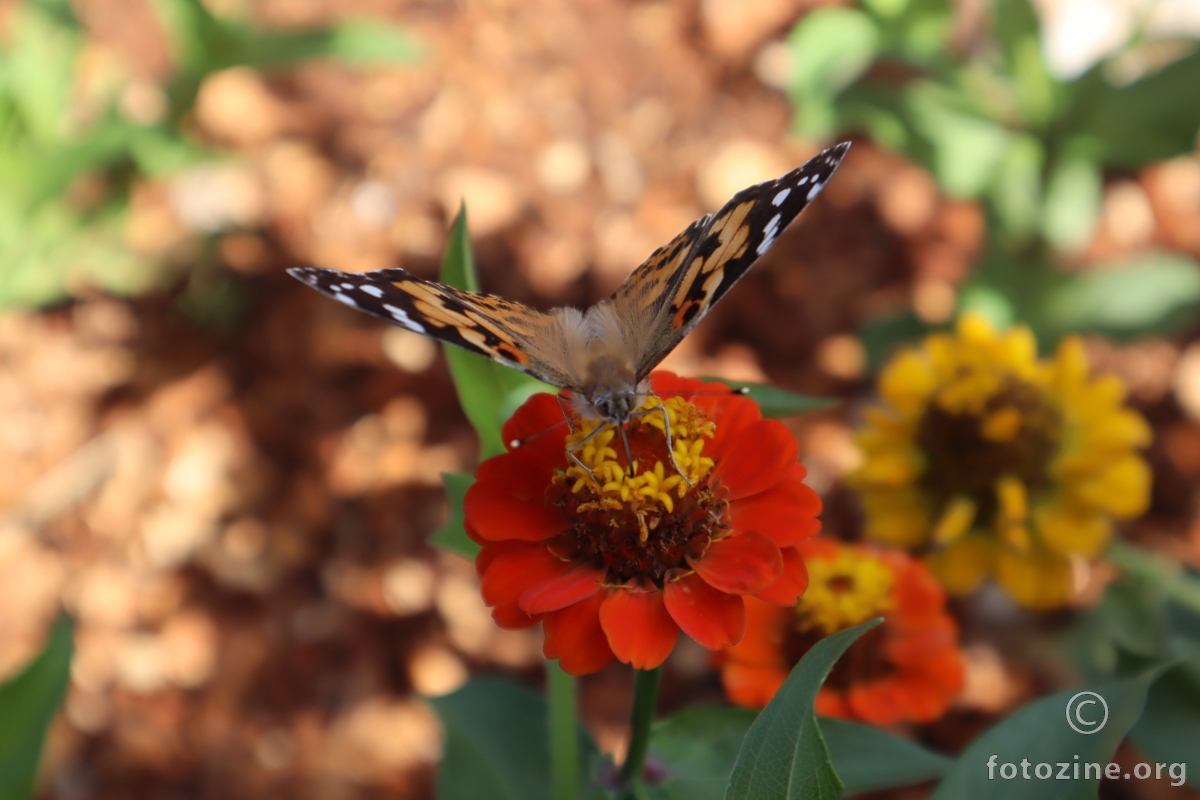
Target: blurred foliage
x,y
1150,616
68,160
28,702
982,111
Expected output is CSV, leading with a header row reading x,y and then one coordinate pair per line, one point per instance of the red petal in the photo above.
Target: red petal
x,y
732,414
510,573
507,474
742,564
575,638
576,582
787,512
500,517
712,618
540,424
752,685
758,458
791,584
768,629
639,629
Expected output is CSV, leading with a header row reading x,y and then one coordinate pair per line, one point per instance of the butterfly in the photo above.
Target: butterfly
x,y
602,355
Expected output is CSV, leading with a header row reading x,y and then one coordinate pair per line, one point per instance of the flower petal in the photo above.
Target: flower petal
x,y
509,574
499,517
787,513
575,638
741,564
640,631
752,685
711,617
507,475
576,582
791,584
535,424
757,459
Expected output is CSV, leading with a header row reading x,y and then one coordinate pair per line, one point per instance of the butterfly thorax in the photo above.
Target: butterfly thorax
x,y
610,391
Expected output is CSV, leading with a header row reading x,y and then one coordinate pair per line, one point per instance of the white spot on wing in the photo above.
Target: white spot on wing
x,y
403,319
816,187
779,198
374,291
769,234
344,298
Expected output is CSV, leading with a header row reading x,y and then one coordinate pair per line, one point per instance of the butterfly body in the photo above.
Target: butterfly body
x,y
602,355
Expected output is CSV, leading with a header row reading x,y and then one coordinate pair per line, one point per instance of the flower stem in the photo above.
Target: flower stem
x,y
564,732
645,698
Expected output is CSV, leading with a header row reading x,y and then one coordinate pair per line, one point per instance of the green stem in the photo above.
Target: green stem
x,y
1177,585
564,733
645,698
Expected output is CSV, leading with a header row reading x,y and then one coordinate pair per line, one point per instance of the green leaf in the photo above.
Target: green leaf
x,y
453,536
28,702
695,751
1152,293
775,402
487,391
1169,728
831,48
967,150
496,744
366,42
784,756
1151,119
1016,191
1072,203
867,759
1040,734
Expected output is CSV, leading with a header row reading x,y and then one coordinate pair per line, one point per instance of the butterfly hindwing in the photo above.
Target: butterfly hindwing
x,y
723,246
484,324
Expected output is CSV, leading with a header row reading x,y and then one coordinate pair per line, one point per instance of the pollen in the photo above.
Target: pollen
x,y
843,591
652,485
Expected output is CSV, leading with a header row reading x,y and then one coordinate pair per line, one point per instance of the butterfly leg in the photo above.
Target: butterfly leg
x,y
579,446
567,417
666,432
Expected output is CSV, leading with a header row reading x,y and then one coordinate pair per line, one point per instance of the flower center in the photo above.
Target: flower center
x,y
641,523
984,457
843,591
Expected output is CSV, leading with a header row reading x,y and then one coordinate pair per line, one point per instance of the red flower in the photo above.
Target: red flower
x,y
907,669
615,565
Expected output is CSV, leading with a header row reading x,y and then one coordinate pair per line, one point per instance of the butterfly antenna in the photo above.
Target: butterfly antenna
x,y
738,390
524,440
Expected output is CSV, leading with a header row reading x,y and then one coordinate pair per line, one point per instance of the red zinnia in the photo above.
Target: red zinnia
x,y
615,565
907,669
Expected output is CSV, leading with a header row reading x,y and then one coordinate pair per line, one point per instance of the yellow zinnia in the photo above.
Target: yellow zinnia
x,y
996,462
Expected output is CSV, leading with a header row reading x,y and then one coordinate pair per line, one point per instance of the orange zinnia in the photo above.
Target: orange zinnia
x,y
908,669
616,562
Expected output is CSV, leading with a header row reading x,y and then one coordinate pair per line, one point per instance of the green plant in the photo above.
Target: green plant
x,y
53,241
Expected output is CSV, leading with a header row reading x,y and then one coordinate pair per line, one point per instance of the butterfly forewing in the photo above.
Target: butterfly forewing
x,y
726,244
490,326
656,307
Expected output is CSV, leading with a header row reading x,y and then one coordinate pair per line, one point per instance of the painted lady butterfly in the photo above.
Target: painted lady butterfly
x,y
602,355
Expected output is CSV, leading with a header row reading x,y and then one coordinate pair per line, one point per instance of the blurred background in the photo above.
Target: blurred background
x,y
228,481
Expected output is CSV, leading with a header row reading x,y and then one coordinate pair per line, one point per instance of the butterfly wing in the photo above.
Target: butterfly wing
x,y
680,282
481,323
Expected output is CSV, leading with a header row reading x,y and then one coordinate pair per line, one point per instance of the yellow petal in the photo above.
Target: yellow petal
x,y
1039,579
906,382
962,566
896,519
955,521
1068,528
1122,487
